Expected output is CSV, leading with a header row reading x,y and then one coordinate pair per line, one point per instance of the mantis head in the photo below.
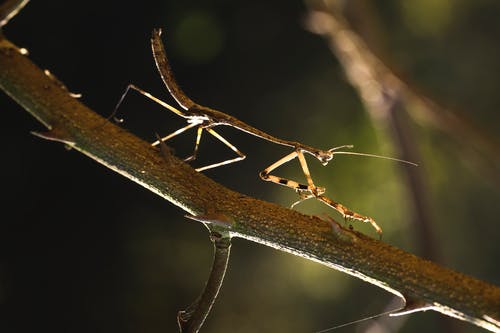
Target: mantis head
x,y
325,156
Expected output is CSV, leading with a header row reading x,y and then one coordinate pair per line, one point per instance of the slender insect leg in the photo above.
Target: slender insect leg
x,y
115,110
304,195
348,214
240,157
303,163
196,145
153,98
264,175
120,101
171,135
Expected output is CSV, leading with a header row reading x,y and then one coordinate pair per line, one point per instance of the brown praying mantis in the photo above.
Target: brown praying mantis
x,y
205,119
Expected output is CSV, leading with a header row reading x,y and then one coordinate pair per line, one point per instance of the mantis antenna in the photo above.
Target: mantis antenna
x,y
373,155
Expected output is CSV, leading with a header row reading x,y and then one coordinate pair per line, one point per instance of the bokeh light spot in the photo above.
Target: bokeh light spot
x,y
428,17
199,37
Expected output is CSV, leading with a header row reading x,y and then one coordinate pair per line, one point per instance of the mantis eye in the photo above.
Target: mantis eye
x,y
325,158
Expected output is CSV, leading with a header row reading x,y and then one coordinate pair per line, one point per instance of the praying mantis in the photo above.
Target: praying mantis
x,y
206,118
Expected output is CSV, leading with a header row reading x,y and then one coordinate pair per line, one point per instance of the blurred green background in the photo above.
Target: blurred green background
x,y
86,250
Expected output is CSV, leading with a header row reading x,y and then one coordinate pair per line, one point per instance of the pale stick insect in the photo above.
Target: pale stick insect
x,y
205,118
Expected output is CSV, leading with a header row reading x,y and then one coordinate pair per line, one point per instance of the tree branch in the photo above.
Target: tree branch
x,y
423,284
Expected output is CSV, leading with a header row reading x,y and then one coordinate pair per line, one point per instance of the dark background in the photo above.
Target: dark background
x,y
86,250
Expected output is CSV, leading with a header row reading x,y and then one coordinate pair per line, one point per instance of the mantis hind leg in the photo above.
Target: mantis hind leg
x,y
196,145
175,133
199,132
219,137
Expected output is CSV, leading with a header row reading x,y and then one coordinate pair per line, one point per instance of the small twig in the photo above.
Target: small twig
x,y
191,319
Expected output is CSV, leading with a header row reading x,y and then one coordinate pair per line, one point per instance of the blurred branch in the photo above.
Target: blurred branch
x,y
383,97
423,284
378,87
